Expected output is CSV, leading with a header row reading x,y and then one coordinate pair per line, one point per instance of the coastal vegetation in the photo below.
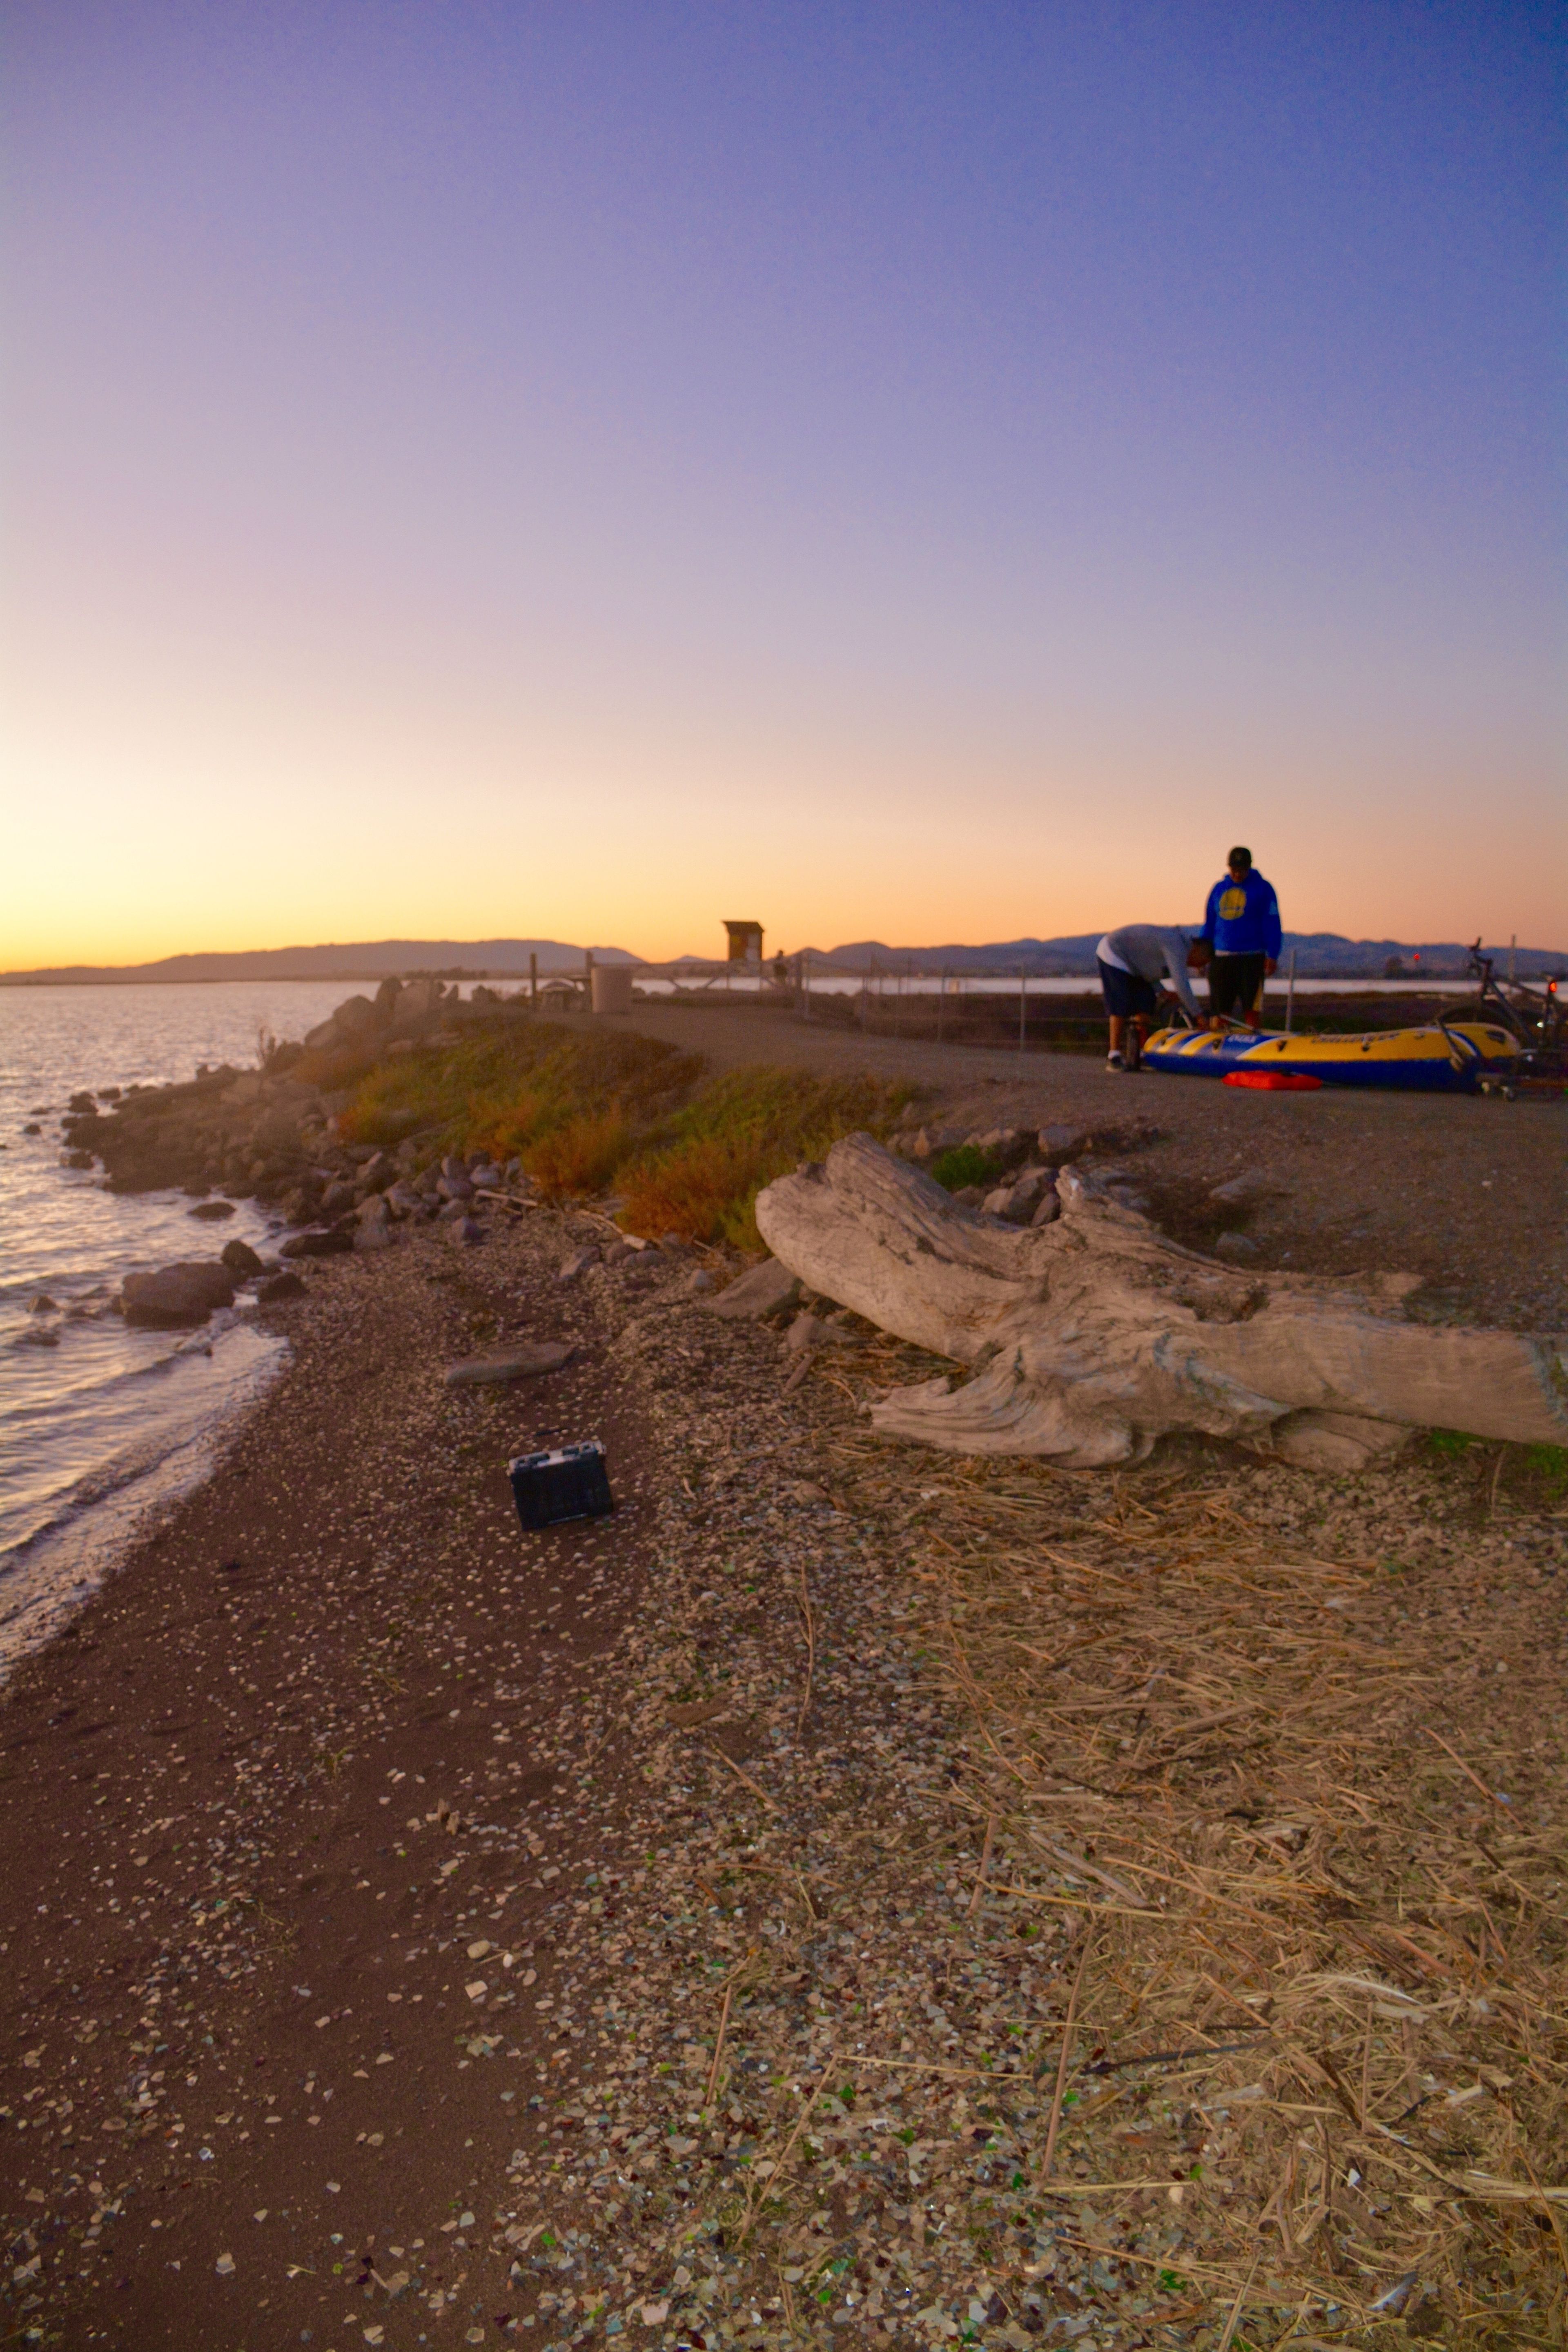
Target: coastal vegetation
x,y
687,1154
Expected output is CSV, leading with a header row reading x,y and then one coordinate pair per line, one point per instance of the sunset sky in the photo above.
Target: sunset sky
x,y
933,472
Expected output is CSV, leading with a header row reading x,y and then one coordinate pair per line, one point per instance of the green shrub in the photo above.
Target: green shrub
x,y
965,1163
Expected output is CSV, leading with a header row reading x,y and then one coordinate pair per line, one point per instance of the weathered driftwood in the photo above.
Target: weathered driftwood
x,y
1090,1338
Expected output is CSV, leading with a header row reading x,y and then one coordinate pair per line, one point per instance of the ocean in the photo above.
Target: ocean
x,y
100,1425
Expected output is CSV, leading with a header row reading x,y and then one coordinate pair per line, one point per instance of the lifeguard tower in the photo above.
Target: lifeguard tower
x,y
745,944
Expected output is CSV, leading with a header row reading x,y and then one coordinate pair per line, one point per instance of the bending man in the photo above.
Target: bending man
x,y
1133,962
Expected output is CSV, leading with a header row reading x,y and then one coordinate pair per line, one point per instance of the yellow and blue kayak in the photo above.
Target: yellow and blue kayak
x,y
1448,1057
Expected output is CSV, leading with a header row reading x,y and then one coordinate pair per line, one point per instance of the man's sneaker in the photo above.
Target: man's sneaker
x,y
1115,1061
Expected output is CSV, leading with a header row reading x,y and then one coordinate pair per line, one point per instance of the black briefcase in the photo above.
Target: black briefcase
x,y
571,1484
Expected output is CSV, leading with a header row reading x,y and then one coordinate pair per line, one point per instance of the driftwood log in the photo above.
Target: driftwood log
x,y
1088,1339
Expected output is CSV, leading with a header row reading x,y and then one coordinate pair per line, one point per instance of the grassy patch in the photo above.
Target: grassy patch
x,y
735,1135
514,1089
965,1163
586,1112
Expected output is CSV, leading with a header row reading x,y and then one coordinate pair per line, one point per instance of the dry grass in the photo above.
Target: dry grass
x,y
736,1135
1309,1839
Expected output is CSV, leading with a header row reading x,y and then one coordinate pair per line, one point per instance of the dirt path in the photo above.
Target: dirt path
x,y
1471,1193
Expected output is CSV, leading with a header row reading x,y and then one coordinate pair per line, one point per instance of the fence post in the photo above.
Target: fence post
x,y
533,978
1023,1001
1291,993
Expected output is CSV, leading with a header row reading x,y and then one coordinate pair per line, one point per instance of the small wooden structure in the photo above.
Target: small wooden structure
x,y
746,942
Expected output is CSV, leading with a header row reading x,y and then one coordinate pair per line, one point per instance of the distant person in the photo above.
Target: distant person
x,y
1134,962
1239,943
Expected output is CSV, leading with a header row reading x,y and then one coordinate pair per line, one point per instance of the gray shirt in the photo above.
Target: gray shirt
x,y
1150,954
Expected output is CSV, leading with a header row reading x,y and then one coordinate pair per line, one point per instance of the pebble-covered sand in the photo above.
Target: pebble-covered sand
x,y
417,1932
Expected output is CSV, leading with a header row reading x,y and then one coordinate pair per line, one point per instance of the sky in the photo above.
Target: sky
x,y
931,473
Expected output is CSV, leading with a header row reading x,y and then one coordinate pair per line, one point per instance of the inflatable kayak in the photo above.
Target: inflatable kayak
x,y
1451,1057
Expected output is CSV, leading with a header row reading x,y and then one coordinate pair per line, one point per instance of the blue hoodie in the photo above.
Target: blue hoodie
x,y
1243,918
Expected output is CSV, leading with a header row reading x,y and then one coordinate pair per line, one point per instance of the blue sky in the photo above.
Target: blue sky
x,y
929,472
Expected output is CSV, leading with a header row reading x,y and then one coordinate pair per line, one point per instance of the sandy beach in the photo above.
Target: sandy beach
x,y
709,1926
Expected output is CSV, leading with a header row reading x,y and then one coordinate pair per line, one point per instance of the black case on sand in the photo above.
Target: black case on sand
x,y
571,1484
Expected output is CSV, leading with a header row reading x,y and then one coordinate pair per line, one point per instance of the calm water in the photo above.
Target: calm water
x,y
106,1423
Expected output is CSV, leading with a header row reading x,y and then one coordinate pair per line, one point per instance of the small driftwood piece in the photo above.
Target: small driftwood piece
x,y
1090,1337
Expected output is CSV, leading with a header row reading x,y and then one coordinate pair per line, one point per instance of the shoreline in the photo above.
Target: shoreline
x,y
486,1911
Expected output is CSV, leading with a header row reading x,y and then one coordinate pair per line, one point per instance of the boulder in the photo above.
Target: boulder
x,y
373,1237
278,1288
212,1213
176,1297
520,1363
317,1244
354,1018
324,1038
1252,1184
1061,1142
465,1231
577,1264
240,1259
765,1289
417,1007
43,1305
81,1102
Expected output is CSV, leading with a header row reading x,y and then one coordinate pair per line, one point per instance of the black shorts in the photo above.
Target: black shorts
x,y
1126,993
1235,984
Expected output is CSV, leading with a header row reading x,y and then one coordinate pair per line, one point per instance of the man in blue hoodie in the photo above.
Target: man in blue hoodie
x,y
1239,941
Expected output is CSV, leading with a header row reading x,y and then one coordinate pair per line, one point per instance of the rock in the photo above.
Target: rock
x,y
1337,1441
465,1231
386,997
82,1102
77,1159
322,1039
416,1007
402,1201
377,1172
454,1188
1235,1246
278,1288
43,1305
454,1168
337,1200
38,1335
212,1213
521,1363
697,1285
317,1244
32,1128
176,1297
354,1018
1049,1208
1061,1142
484,1177
452,1212
765,1289
240,1259
577,1264
372,1238
372,1211
1250,1185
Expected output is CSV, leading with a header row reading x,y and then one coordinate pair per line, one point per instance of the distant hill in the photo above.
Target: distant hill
x,y
372,960
1320,955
